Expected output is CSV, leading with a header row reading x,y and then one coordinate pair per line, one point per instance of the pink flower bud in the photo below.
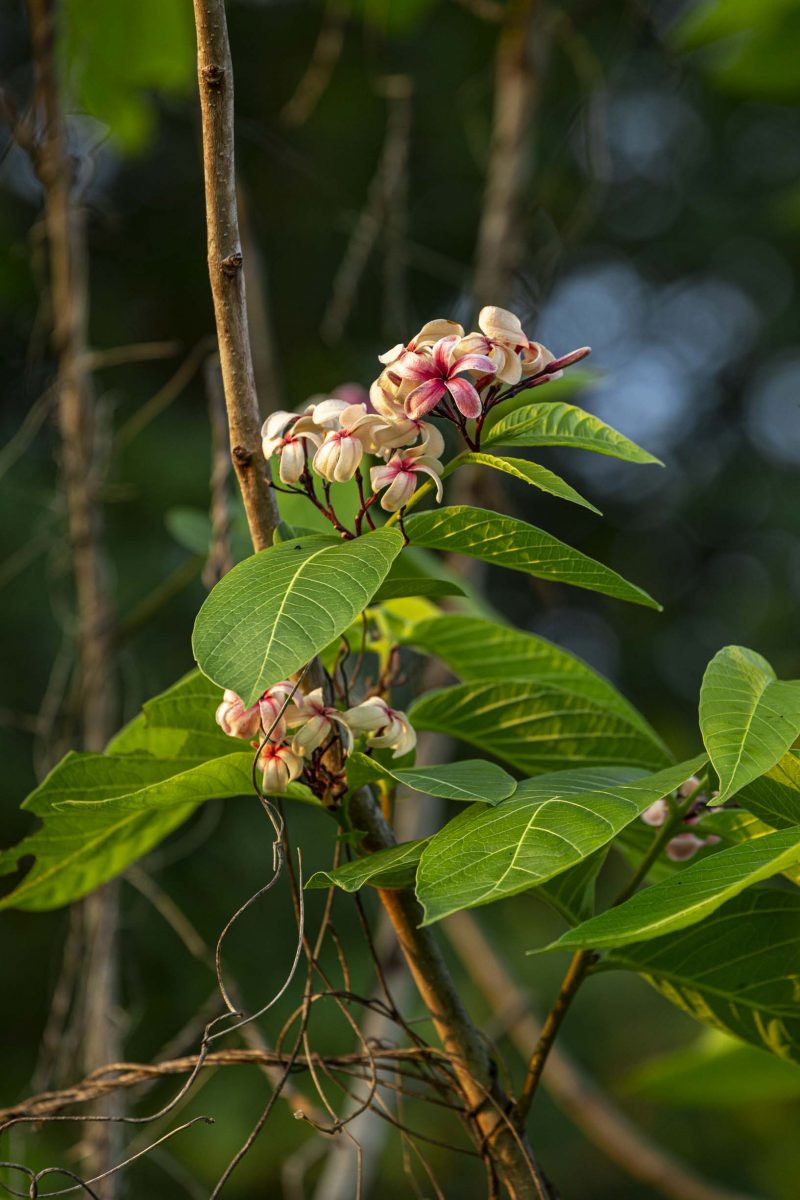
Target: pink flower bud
x,y
236,720
279,767
684,846
656,814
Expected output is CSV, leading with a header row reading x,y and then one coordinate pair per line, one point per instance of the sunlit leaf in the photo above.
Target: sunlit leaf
x,y
775,797
537,728
564,425
748,718
393,868
273,612
530,472
477,649
466,781
514,544
549,825
689,896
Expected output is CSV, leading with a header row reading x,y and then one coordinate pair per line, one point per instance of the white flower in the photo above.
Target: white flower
x,y
236,720
342,449
270,705
282,433
399,474
430,333
385,727
279,767
318,721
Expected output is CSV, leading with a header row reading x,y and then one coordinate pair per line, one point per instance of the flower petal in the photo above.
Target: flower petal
x,y
467,400
415,367
475,362
425,398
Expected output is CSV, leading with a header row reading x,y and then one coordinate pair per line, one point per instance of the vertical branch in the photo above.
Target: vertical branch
x,y
504,1147
500,239
220,557
225,267
80,472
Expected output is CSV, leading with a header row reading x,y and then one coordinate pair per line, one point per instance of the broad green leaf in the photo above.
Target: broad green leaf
x,y
474,648
530,472
734,826
689,896
472,780
511,543
775,797
273,612
564,425
549,825
393,868
536,728
738,971
748,718
414,585
572,893
716,1072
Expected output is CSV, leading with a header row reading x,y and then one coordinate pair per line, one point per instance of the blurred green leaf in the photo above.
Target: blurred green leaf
x,y
750,45
120,53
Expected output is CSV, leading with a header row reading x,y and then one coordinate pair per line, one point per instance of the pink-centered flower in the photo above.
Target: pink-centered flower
x,y
280,766
399,474
342,449
283,433
385,727
441,375
317,721
265,715
430,333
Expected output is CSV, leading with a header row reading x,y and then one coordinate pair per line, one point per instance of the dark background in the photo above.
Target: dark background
x,y
661,227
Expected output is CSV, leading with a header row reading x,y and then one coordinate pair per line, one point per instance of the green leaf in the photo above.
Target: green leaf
x,y
393,868
689,896
564,425
716,1072
511,543
414,585
474,648
100,812
536,728
530,472
549,825
273,612
748,718
775,797
572,893
739,971
466,781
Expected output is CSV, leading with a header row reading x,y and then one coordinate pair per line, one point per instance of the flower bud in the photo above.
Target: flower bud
x,y
683,846
656,814
385,727
279,767
236,720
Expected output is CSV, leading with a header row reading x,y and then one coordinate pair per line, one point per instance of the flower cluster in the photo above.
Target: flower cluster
x,y
685,844
443,372
297,734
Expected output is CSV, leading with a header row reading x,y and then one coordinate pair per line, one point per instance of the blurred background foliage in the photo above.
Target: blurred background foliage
x,y
661,226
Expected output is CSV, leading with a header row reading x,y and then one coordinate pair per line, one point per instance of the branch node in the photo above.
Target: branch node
x,y
213,76
232,264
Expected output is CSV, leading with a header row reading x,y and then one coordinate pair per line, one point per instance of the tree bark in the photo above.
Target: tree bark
x,y
80,474
225,268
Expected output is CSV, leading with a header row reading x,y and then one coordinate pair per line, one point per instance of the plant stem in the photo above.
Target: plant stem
x,y
225,261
